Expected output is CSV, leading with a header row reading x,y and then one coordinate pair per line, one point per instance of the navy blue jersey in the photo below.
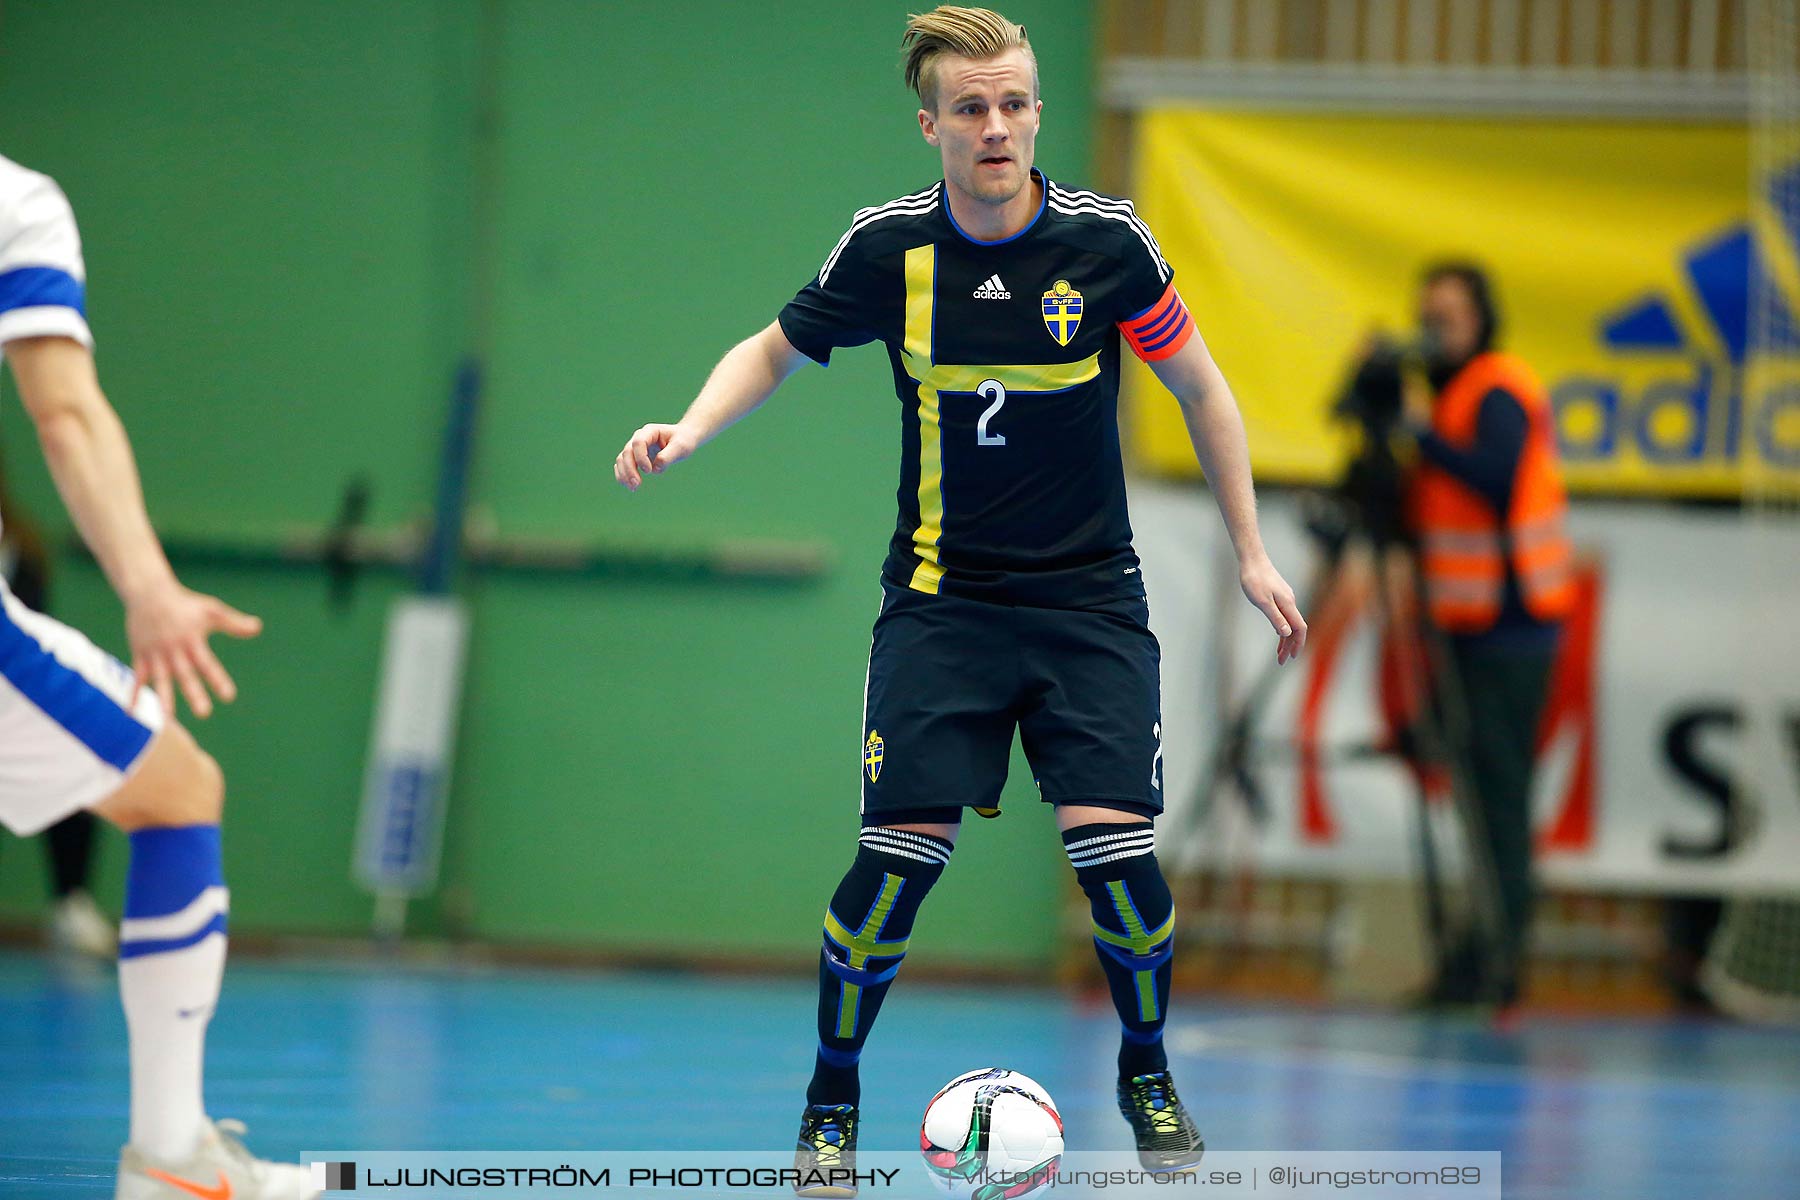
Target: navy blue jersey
x,y
1006,362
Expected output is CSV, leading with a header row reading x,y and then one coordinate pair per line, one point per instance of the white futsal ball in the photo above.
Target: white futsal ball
x,y
991,1133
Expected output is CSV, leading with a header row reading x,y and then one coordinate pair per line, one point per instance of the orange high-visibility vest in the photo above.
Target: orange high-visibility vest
x,y
1464,545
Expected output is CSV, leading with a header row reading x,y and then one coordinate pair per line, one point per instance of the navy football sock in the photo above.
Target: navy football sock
x,y
866,930
1134,926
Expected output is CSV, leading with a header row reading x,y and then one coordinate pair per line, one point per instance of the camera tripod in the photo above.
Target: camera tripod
x,y
1357,523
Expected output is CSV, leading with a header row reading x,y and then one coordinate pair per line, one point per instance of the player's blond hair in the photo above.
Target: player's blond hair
x,y
977,33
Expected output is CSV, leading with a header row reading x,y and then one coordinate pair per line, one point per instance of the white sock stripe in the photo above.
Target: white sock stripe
x,y
925,839
1083,857
1071,207
901,852
201,909
905,850
1100,845
905,837
914,205
902,835
1103,838
1106,858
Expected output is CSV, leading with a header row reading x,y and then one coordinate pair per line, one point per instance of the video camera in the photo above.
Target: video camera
x,y
1373,395
1368,500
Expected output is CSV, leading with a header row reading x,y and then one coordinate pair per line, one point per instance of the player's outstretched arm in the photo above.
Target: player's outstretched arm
x,y
1217,431
747,375
90,460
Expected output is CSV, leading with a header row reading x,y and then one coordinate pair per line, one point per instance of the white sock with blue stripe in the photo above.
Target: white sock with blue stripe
x,y
171,959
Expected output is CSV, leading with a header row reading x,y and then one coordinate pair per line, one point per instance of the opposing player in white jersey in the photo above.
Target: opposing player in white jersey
x,y
80,730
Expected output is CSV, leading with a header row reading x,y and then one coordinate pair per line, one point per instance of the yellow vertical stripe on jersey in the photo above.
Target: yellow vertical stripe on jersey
x,y
929,572
921,279
935,378
921,283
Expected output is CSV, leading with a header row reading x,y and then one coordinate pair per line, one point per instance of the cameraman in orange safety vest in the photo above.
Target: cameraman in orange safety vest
x,y
1486,506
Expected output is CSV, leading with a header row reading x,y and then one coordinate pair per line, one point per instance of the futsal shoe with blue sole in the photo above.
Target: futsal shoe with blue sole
x,y
218,1169
1167,1138
825,1151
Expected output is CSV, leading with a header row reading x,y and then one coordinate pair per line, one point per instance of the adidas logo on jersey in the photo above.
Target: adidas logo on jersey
x,y
993,289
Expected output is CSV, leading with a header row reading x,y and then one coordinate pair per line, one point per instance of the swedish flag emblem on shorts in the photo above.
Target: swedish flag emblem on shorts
x,y
1062,311
872,755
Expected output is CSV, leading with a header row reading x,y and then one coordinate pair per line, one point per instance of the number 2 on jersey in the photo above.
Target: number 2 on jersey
x,y
990,389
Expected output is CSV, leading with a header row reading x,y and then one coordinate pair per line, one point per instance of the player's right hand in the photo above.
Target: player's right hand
x,y
167,630
651,451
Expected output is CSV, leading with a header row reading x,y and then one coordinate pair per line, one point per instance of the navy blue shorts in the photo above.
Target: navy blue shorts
x,y
950,679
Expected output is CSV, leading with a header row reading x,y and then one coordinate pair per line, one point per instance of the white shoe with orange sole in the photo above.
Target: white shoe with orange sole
x,y
219,1169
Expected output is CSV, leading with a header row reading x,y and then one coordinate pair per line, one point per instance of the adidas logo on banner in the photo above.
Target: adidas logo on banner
x,y
993,289
1694,410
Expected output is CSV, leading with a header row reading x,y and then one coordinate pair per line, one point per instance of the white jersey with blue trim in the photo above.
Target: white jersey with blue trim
x,y
73,723
43,281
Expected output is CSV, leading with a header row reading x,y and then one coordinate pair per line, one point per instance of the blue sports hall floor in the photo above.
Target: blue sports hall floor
x,y
321,1054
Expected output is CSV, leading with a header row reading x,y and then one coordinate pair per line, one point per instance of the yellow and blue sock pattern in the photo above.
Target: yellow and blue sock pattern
x,y
867,927
1134,932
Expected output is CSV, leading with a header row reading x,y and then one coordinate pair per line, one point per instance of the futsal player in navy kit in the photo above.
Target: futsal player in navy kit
x,y
1012,596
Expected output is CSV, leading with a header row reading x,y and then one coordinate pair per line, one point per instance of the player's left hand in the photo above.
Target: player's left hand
x,y
1264,587
167,630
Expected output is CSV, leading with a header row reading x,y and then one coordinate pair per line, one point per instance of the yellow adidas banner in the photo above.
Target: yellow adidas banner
x,y
1639,267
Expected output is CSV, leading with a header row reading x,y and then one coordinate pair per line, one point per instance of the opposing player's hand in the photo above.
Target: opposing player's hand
x,y
167,630
1265,588
651,451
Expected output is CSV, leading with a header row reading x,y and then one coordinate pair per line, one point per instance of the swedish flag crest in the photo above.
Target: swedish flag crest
x,y
1062,311
872,755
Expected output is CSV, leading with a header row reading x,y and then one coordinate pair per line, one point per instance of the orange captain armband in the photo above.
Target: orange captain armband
x,y
1160,330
